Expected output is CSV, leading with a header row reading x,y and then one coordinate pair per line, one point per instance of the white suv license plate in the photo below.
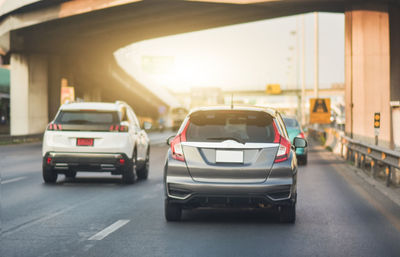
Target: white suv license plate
x,y
229,156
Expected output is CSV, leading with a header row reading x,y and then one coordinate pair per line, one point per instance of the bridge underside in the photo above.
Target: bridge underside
x,y
80,47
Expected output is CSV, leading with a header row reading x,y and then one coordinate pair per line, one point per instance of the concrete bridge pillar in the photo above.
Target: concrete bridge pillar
x,y
28,94
368,84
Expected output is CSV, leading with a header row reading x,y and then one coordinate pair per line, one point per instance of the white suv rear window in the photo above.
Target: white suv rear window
x,y
87,117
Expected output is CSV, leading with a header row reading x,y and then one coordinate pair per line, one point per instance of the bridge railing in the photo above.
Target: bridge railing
x,y
378,162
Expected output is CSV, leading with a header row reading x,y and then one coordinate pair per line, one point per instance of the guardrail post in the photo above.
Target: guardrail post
x,y
388,175
362,164
373,168
356,159
351,155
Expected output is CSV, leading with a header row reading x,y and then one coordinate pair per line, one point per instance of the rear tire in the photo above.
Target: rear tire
x,y
173,211
288,213
302,160
129,172
49,175
143,172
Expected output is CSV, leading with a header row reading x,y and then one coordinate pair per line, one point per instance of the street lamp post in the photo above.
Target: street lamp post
x,y
303,77
316,55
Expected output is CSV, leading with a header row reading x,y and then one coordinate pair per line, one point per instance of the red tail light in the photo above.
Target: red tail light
x,y
119,128
121,161
277,135
53,126
284,146
176,147
48,161
123,128
301,135
283,150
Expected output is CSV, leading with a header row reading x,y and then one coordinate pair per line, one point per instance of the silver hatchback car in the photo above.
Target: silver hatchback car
x,y
231,156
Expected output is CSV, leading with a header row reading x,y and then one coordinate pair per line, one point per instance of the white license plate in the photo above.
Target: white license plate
x,y
229,156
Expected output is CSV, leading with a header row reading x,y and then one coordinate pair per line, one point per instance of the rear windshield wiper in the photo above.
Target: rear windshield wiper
x,y
227,138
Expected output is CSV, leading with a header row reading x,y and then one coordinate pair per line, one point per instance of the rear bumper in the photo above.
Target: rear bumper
x,y
96,162
278,189
204,194
104,142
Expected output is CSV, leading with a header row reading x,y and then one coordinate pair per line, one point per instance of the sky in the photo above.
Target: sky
x,y
240,57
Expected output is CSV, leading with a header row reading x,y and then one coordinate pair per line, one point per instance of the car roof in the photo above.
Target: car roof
x,y
90,106
268,110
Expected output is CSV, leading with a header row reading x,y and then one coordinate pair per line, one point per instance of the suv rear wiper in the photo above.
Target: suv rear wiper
x,y
227,138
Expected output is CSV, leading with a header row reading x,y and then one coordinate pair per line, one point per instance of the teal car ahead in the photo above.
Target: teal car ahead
x,y
294,130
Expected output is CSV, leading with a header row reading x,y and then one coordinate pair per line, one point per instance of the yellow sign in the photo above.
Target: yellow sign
x,y
273,89
377,120
67,94
320,110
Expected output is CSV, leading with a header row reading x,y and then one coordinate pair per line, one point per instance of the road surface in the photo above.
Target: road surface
x,y
338,214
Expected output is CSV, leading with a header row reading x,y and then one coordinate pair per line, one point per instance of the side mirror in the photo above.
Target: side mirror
x,y
299,142
147,125
169,140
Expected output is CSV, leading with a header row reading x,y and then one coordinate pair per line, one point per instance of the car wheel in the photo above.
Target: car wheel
x,y
70,174
305,160
173,211
128,173
288,213
302,160
143,172
49,175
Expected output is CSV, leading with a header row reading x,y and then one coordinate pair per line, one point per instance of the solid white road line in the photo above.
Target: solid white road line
x,y
12,180
108,230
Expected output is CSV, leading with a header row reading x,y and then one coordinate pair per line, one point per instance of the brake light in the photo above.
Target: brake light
x,y
284,146
277,135
123,128
283,150
53,126
48,161
121,161
119,128
176,146
301,135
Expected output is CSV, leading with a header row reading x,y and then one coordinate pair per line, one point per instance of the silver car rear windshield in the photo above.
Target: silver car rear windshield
x,y
87,117
241,126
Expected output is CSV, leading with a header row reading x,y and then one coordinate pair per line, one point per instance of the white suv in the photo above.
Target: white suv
x,y
91,136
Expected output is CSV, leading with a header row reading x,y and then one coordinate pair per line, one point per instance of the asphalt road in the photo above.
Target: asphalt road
x,y
95,215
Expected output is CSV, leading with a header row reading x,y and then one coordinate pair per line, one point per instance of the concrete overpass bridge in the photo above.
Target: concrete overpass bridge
x,y
47,40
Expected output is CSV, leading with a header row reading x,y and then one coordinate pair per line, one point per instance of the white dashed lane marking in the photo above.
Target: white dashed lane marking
x,y
6,181
108,230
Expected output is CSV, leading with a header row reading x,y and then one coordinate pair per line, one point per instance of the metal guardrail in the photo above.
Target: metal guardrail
x,y
358,152
8,139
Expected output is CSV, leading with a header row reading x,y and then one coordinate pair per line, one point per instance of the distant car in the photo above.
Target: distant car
x,y
99,137
223,156
294,130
